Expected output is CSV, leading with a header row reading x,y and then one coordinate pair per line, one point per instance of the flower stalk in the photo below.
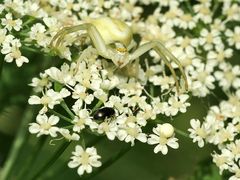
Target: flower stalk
x,y
52,160
21,138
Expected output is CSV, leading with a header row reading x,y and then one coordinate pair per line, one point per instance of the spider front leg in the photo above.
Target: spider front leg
x,y
92,32
166,56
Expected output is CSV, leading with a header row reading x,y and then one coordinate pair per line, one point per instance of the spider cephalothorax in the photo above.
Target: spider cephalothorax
x,y
113,39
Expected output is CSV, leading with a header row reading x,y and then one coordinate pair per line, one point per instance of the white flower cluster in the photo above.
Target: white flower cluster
x,y
46,18
90,87
203,36
221,127
201,40
206,55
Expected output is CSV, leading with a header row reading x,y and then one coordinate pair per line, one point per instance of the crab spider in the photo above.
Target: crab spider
x,y
105,31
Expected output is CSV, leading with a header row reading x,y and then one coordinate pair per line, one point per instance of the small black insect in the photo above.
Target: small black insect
x,y
104,113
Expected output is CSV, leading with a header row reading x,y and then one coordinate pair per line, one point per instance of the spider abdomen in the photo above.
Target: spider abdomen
x,y
113,30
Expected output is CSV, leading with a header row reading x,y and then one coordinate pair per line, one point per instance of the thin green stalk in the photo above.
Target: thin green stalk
x,y
147,93
82,141
66,108
24,34
108,163
30,20
189,6
17,144
215,7
68,127
31,49
152,90
95,133
61,116
97,106
52,160
180,132
63,168
30,159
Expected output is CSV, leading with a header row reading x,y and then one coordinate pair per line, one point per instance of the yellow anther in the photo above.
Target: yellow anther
x,y
121,50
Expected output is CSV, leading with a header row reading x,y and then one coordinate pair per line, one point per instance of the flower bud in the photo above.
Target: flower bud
x,y
166,130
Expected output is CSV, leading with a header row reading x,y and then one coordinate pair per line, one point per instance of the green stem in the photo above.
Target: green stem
x,y
17,144
82,141
36,149
38,51
152,90
52,160
22,34
147,93
189,6
180,132
63,168
97,106
61,116
215,7
66,108
109,162
68,127
95,133
31,19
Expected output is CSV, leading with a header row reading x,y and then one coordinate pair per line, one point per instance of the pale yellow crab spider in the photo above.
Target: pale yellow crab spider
x,y
105,31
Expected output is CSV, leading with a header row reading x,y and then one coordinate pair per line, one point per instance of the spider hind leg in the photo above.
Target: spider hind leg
x,y
58,38
91,31
165,55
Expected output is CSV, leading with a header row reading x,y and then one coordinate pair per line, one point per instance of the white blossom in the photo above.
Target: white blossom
x,y
130,132
108,128
11,49
10,23
85,160
38,33
233,37
45,125
161,140
82,119
177,103
49,99
198,133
